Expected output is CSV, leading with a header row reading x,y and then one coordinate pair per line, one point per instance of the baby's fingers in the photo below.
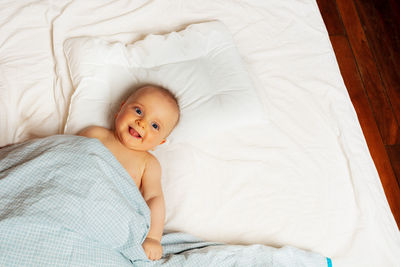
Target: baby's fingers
x,y
152,250
154,254
148,253
157,255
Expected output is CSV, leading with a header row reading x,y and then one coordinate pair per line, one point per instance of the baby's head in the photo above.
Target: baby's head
x,y
146,118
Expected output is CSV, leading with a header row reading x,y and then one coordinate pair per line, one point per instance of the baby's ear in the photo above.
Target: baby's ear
x,y
120,107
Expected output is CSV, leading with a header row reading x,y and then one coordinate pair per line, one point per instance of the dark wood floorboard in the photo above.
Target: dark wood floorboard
x,y
331,16
369,71
365,38
379,24
394,154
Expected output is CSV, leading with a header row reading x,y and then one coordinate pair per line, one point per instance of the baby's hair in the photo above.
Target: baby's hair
x,y
167,93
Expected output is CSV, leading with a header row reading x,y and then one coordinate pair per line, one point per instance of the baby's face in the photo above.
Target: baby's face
x,y
146,119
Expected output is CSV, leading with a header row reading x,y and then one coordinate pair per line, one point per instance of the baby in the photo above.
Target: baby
x,y
143,122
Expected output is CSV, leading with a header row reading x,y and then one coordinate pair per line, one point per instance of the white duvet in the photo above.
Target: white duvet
x,y
305,179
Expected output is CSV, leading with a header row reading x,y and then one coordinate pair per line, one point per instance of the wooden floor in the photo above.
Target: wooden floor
x,y
365,35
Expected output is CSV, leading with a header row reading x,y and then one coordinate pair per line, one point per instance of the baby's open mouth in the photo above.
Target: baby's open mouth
x,y
134,133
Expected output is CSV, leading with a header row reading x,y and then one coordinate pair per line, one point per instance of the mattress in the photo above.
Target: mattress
x,y
312,146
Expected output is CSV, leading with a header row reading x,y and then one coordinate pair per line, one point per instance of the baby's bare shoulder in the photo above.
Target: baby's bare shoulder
x,y
152,169
94,132
152,163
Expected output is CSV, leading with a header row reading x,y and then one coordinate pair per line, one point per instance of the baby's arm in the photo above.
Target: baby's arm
x,y
152,194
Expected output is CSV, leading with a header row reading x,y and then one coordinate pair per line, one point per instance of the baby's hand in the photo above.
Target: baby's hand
x,y
152,248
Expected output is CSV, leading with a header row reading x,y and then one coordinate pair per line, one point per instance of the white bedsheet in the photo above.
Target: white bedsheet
x,y
314,132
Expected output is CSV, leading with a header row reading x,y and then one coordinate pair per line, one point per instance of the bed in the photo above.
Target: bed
x,y
293,168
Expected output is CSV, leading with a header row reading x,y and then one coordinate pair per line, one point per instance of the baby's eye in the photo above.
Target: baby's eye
x,y
155,126
138,111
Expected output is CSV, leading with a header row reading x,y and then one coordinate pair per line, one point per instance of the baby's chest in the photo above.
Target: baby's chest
x,y
133,163
135,170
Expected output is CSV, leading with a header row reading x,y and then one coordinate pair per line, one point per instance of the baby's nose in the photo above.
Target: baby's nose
x,y
140,123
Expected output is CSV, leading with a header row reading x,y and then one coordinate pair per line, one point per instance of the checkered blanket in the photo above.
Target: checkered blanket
x,y
66,201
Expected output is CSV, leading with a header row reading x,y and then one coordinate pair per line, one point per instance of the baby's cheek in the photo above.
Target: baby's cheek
x,y
151,138
154,139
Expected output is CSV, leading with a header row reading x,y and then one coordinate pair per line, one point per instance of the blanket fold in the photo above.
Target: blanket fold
x,y
66,201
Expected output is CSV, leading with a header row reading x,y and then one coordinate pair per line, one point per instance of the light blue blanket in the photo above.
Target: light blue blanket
x,y
66,201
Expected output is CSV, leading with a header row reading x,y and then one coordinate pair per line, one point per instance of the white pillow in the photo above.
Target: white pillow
x,y
200,64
